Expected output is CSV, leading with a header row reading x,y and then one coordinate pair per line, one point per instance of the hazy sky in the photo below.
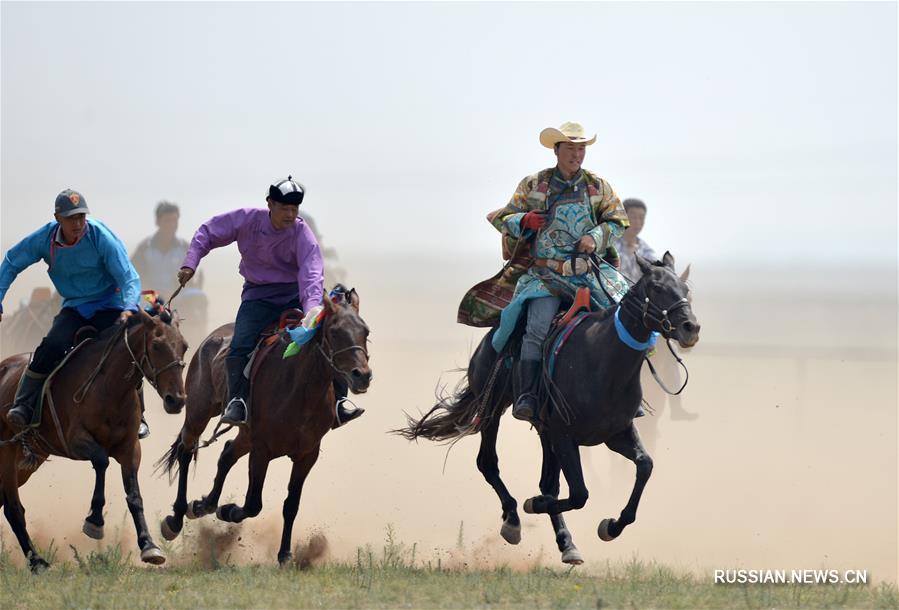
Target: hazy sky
x,y
752,130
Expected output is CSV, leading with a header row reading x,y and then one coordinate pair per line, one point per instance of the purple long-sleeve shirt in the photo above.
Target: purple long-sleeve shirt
x,y
268,256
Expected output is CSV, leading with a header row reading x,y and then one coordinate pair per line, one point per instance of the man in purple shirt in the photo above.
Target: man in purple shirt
x,y
282,266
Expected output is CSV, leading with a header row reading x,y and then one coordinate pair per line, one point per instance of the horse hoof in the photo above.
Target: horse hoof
x,y
511,533
284,560
193,511
225,512
573,557
152,555
529,506
603,530
168,532
92,531
39,566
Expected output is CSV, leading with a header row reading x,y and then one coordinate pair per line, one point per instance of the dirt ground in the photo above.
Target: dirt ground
x,y
791,463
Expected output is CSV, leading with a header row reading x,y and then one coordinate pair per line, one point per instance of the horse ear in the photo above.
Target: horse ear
x,y
353,299
668,260
645,265
686,274
146,318
329,305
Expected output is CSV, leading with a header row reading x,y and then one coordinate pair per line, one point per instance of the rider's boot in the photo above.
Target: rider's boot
x,y
27,395
236,411
525,407
344,414
144,430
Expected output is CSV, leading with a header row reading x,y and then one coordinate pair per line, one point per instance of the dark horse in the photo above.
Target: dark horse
x,y
595,393
291,409
94,415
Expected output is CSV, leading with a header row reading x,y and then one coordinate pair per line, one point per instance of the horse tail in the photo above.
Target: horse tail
x,y
462,413
452,417
170,459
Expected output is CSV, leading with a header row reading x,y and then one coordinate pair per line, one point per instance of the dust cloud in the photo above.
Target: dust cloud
x,y
790,464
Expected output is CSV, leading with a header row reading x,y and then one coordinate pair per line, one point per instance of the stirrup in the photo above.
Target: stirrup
x,y
143,431
15,419
234,422
350,415
525,407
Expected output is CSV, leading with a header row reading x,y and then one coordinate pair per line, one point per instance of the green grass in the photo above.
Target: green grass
x,y
392,577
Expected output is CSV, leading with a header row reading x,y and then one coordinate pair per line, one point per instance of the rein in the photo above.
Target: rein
x,y
80,394
332,353
82,391
145,358
658,379
649,316
329,356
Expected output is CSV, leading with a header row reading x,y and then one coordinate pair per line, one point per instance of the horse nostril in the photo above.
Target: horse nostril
x,y
691,327
358,375
173,403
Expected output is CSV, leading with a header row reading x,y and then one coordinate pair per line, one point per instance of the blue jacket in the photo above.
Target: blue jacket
x,y
92,274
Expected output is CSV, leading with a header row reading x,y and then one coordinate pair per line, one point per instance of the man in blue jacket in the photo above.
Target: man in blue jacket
x,y
89,266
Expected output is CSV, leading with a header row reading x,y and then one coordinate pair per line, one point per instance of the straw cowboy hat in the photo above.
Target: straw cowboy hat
x,y
567,132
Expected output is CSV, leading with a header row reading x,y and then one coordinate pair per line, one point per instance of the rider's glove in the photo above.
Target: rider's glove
x,y
533,220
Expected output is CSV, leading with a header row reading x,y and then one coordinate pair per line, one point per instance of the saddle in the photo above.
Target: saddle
x,y
562,327
269,337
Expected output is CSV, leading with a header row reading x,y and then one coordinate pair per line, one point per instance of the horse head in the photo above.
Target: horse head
x,y
163,358
666,301
344,338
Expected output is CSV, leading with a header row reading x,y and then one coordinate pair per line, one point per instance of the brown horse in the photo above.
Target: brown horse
x,y
292,406
94,415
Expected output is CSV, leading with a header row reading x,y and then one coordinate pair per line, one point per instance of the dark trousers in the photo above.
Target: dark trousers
x,y
62,334
252,318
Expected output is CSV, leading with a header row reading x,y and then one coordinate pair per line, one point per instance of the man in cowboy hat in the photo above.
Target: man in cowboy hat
x,y
281,263
90,269
556,220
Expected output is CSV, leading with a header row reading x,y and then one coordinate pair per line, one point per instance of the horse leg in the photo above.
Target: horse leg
x,y
149,552
184,448
566,451
549,486
488,464
15,512
253,502
298,475
172,525
628,444
233,451
93,523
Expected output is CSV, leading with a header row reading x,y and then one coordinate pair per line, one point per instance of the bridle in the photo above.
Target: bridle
x,y
662,322
145,365
331,353
652,315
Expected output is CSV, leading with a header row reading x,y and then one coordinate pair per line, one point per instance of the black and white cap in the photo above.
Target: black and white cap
x,y
287,191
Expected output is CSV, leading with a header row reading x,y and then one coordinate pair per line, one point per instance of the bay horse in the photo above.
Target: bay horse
x,y
594,393
292,407
92,412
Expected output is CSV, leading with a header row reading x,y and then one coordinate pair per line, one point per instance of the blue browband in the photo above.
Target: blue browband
x,y
628,340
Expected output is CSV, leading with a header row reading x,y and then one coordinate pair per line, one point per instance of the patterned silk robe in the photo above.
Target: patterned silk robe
x,y
584,205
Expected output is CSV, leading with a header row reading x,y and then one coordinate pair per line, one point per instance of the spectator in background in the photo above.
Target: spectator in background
x,y
628,246
158,257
